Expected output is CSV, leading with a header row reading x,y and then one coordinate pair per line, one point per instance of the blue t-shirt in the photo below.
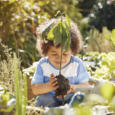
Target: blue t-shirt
x,y
74,71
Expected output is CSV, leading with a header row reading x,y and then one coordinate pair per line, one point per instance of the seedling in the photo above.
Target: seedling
x,y
60,35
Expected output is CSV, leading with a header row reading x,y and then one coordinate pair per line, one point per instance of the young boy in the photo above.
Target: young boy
x,y
44,82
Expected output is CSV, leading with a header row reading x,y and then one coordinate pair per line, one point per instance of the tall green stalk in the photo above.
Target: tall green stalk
x,y
25,94
20,88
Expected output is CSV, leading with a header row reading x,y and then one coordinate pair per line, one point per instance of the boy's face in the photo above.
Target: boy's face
x,y
54,55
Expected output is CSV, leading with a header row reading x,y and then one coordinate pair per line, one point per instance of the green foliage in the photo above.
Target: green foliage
x,y
12,79
100,65
17,28
107,66
6,79
19,19
25,94
108,61
5,98
60,34
104,66
20,84
100,41
6,67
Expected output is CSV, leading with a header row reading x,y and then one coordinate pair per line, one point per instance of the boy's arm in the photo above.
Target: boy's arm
x,y
42,88
75,86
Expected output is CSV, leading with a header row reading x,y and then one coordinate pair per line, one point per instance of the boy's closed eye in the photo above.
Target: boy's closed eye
x,y
55,54
65,53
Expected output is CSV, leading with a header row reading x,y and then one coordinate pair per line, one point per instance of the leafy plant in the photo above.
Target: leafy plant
x,y
100,41
60,35
100,65
7,101
6,67
108,61
12,79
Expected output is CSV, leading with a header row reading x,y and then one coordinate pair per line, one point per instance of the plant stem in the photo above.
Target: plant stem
x,y
60,61
61,48
62,99
18,88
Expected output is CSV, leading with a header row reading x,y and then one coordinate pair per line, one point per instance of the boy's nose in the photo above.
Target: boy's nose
x,y
58,56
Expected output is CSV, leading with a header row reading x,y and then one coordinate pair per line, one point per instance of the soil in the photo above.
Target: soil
x,y
63,85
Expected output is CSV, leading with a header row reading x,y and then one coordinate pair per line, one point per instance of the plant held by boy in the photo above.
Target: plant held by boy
x,y
60,35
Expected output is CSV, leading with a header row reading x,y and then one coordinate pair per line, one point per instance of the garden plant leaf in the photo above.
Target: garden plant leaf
x,y
60,34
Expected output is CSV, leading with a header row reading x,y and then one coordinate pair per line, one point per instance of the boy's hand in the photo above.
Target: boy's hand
x,y
53,84
72,89
60,96
69,91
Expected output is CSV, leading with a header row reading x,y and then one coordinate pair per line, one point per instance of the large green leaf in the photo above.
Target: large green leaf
x,y
60,34
46,30
55,34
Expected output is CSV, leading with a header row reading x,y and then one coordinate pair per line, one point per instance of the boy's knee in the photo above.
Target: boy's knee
x,y
46,100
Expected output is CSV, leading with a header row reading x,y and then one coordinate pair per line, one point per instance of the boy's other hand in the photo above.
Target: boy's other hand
x,y
69,91
53,84
72,89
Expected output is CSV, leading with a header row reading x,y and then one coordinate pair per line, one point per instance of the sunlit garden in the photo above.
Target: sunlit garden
x,y
19,55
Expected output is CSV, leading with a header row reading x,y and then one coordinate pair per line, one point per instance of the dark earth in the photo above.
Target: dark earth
x,y
63,85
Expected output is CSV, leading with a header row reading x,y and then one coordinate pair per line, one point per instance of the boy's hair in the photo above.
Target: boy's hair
x,y
76,38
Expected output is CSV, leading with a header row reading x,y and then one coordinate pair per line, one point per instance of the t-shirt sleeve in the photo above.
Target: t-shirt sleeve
x,y
38,76
82,74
